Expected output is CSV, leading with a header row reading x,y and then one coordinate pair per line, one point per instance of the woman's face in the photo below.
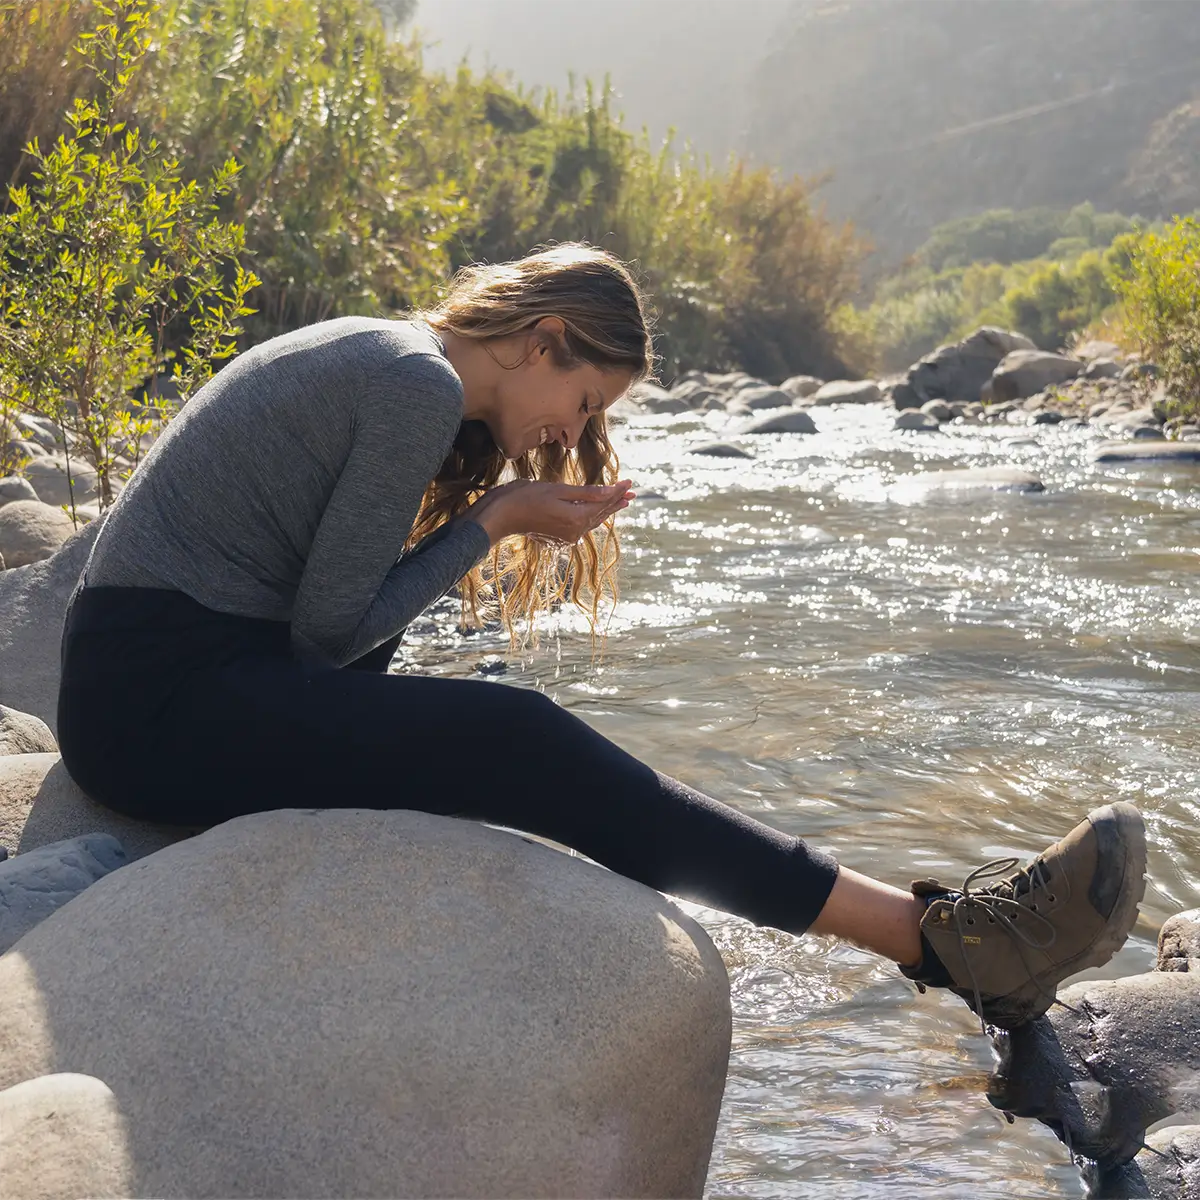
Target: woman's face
x,y
540,402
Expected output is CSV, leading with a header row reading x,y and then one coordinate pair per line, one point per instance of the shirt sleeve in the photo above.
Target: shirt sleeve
x,y
357,590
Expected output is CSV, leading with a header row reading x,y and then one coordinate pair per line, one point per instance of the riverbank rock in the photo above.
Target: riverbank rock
x,y
352,1003
58,480
63,1136
31,532
33,601
40,804
13,487
846,391
794,420
1156,450
39,882
756,399
800,387
1122,1055
958,371
1023,373
23,733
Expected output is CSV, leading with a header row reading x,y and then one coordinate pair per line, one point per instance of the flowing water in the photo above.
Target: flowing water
x,y
916,685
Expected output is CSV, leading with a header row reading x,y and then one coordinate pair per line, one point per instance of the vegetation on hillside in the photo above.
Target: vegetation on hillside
x,y
365,180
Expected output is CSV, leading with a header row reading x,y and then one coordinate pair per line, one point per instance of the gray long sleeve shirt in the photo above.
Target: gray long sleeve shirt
x,y
287,487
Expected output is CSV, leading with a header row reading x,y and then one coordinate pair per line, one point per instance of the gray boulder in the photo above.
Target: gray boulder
x,y
795,420
398,1005
58,480
800,387
22,733
1102,368
939,410
64,1136
33,601
1118,1056
40,804
847,391
31,532
959,370
913,418
39,882
14,487
1024,373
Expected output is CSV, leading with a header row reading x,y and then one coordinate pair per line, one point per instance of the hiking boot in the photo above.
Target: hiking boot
x,y
1006,947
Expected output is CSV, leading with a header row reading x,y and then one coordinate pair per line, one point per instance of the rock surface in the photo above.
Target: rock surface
x,y
717,450
31,532
40,804
32,603
21,733
913,418
1024,373
395,1005
39,882
63,1137
1168,1170
58,480
1122,1055
14,487
846,391
794,420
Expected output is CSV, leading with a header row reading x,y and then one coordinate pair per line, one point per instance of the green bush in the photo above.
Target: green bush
x,y
1160,285
103,254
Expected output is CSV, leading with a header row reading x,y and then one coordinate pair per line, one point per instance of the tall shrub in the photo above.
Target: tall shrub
x,y
102,255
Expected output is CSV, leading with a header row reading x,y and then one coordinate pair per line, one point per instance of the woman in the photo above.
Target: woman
x,y
227,649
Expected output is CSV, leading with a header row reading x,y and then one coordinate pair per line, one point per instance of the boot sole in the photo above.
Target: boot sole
x,y
1131,834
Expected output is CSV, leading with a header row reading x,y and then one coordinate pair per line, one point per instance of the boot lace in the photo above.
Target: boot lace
x,y
1002,904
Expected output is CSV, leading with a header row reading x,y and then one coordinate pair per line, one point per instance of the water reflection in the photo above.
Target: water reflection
x,y
917,686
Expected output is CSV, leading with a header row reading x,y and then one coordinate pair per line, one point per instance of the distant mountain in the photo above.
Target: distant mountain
x,y
925,110
920,110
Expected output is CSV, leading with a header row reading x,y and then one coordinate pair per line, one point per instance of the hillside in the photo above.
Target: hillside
x,y
921,110
925,110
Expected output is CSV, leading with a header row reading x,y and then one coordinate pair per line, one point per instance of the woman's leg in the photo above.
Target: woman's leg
x,y
261,734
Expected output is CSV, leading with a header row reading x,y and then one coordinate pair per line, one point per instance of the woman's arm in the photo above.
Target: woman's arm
x,y
354,594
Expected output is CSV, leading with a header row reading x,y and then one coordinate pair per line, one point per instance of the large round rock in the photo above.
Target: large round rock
x,y
352,1003
31,532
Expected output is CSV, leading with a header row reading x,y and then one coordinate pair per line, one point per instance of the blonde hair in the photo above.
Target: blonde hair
x,y
605,325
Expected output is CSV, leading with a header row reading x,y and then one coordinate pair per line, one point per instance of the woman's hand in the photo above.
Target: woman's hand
x,y
559,512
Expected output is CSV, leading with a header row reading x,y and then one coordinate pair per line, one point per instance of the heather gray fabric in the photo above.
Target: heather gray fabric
x,y
285,489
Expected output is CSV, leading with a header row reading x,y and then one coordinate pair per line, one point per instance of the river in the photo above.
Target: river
x,y
916,685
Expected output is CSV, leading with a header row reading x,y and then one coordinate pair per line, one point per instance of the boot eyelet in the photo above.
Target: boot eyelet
x,y
1033,907
970,920
1051,899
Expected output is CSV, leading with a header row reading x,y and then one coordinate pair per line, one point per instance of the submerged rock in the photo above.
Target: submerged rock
x,y
720,450
1155,450
1169,1169
971,479
361,1003
913,418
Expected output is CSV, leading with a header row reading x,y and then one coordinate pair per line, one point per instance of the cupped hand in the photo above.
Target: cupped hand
x,y
559,512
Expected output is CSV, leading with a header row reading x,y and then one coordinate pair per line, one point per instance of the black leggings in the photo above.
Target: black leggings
x,y
171,712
